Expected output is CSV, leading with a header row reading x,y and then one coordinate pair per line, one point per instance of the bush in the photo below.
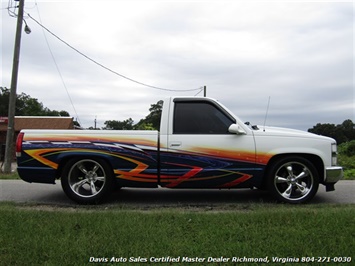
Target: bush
x,y
347,148
346,158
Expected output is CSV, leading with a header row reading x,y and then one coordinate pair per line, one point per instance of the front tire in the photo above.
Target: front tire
x,y
87,181
293,180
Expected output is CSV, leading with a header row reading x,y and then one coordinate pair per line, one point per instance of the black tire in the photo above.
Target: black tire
x,y
87,181
293,179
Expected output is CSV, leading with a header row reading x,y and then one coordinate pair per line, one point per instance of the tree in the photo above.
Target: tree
x,y
26,105
341,133
4,101
144,126
119,125
349,129
152,121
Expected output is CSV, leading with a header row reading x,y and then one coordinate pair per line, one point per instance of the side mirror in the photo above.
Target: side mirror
x,y
236,129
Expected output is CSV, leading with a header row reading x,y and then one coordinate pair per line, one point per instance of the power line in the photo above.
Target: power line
x,y
57,67
107,68
11,5
201,89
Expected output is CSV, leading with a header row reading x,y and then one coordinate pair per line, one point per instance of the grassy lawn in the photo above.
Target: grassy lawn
x,y
50,235
9,176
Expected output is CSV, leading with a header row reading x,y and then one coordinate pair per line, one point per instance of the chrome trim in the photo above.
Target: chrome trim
x,y
333,174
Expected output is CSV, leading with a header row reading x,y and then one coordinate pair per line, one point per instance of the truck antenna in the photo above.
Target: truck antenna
x,y
267,111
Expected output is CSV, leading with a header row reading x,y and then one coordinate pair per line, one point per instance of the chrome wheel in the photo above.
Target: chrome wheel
x,y
294,180
86,180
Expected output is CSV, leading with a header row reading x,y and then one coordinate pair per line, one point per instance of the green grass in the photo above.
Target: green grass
x,y
47,235
13,175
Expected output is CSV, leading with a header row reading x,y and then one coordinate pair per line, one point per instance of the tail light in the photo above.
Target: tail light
x,y
19,144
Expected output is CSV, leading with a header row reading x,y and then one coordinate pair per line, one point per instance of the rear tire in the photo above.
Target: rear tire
x,y
293,179
87,181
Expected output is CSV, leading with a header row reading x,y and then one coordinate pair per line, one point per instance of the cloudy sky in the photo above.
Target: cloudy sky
x,y
298,53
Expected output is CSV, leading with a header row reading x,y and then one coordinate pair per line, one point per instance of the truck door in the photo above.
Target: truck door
x,y
201,152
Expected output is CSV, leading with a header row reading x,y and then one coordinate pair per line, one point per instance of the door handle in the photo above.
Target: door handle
x,y
175,144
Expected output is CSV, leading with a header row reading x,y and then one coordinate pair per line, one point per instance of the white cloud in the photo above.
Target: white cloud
x,y
299,53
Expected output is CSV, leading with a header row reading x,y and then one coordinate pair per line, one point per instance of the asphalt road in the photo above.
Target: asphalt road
x,y
20,191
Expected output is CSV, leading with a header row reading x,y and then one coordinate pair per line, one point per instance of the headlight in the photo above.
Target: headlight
x,y
334,154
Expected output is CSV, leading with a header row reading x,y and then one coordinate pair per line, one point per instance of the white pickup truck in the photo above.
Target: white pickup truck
x,y
201,144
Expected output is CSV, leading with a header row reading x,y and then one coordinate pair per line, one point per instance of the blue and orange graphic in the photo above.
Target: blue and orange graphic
x,y
138,161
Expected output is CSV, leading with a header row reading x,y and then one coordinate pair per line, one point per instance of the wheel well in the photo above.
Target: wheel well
x,y
314,159
64,161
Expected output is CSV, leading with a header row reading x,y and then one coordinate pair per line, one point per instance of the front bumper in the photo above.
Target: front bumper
x,y
333,174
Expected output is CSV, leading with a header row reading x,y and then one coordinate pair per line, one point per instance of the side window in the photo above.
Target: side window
x,y
200,118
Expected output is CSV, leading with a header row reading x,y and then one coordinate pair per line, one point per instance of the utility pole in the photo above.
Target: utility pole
x,y
204,91
9,151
